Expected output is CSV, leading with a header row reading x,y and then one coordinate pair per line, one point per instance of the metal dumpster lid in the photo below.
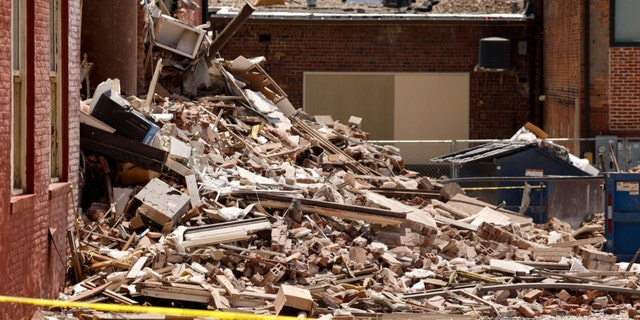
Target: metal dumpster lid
x,y
487,150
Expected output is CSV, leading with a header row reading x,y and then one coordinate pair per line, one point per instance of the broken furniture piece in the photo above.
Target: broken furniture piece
x,y
258,80
176,36
160,205
122,148
119,114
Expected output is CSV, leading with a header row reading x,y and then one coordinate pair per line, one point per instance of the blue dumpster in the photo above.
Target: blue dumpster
x,y
622,214
497,172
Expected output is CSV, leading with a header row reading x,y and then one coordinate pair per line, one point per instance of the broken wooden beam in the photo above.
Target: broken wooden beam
x,y
227,33
270,200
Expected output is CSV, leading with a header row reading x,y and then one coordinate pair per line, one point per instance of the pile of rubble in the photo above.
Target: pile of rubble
x,y
236,201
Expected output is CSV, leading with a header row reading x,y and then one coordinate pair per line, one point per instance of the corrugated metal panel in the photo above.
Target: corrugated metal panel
x,y
489,150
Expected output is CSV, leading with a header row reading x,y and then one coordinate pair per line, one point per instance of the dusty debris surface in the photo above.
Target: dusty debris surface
x,y
213,192
373,6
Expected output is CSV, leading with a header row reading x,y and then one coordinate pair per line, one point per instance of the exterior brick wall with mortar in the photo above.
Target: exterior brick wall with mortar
x,y
624,109
34,263
599,72
499,103
562,66
614,73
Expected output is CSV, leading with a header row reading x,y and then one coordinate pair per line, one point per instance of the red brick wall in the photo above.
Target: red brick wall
x,y
33,226
614,74
624,110
599,72
72,14
499,102
562,66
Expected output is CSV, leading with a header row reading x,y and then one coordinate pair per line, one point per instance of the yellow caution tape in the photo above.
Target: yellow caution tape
x,y
143,309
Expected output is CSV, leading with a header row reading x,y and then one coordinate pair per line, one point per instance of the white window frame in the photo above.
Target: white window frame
x,y
19,102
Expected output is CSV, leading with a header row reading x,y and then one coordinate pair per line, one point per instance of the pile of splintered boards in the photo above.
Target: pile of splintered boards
x,y
236,201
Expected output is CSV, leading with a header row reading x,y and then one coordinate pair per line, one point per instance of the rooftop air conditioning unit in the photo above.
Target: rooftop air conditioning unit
x,y
495,53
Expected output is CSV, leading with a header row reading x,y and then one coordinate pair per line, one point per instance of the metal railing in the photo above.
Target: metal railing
x,y
607,153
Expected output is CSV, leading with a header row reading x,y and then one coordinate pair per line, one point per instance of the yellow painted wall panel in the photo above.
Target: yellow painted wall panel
x,y
342,95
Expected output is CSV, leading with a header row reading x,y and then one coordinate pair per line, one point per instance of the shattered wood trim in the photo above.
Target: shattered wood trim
x,y
534,285
304,128
249,225
391,192
331,209
121,148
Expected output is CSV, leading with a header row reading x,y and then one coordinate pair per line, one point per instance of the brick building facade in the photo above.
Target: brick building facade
x,y
552,71
581,60
42,86
500,102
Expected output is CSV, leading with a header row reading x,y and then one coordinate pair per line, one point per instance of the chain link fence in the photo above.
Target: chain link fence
x,y
607,153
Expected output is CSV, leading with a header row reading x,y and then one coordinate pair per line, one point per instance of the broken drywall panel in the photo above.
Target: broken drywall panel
x,y
192,187
121,196
180,149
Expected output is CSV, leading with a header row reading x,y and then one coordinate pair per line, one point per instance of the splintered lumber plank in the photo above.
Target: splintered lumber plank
x,y
118,297
509,266
129,241
175,291
129,316
247,225
392,192
192,187
426,316
223,237
135,269
75,257
493,305
472,206
547,265
152,85
375,215
258,295
228,286
414,214
109,261
460,214
354,165
581,242
529,285
90,293
570,277
110,294
553,254
219,301
456,223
